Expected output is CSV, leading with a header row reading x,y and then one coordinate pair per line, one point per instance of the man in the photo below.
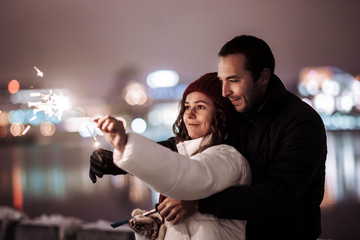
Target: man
x,y
284,141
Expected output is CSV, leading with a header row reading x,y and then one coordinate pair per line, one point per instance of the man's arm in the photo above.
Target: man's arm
x,y
298,162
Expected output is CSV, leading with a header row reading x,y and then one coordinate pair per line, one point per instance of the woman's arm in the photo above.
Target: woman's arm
x,y
178,176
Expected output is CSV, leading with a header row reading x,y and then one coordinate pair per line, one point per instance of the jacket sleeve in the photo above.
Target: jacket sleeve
x,y
295,176
178,176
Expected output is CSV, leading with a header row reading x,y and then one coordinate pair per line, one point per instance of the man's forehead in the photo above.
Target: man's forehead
x,y
234,59
229,67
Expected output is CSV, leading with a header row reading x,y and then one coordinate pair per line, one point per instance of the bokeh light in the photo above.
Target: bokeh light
x,y
16,129
16,116
162,78
324,103
4,118
331,87
47,129
3,131
344,103
312,87
138,125
163,114
13,86
135,94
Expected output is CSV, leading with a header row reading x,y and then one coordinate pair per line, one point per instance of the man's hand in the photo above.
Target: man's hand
x,y
177,210
101,162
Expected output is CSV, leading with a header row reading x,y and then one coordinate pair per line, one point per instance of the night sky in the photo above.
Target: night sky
x,y
93,47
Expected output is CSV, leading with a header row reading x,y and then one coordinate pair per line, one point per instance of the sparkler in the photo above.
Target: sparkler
x,y
51,104
93,137
38,72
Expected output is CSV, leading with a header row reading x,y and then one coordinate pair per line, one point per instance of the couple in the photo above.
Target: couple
x,y
282,138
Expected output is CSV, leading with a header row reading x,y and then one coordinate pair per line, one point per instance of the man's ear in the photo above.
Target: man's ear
x,y
265,76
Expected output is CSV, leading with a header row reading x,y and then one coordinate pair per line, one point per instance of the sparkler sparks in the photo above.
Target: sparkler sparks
x,y
93,137
26,130
38,72
51,104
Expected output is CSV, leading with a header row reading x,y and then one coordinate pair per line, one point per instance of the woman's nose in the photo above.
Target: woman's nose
x,y
190,113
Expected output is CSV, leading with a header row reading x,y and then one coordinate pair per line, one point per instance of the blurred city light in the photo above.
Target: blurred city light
x,y
138,125
47,129
16,129
17,116
324,103
4,118
3,131
162,78
135,94
334,94
17,181
163,114
13,86
72,124
167,93
331,87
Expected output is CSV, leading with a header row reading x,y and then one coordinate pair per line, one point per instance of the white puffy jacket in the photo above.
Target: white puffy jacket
x,y
188,178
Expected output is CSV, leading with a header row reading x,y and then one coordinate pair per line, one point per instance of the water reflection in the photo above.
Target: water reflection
x,y
53,178
342,168
43,177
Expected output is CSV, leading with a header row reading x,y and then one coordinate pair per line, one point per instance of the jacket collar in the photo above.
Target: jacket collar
x,y
191,147
272,99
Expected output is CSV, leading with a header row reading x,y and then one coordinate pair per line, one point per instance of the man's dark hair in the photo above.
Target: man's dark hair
x,y
258,54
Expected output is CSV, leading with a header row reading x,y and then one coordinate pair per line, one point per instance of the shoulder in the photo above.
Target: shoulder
x,y
299,112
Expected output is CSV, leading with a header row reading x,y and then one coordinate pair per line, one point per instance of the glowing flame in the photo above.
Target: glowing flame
x,y
51,104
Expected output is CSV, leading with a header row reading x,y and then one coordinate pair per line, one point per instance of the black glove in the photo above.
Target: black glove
x,y
101,162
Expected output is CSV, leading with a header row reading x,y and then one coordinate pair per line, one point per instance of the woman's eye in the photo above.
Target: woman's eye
x,y
201,107
187,107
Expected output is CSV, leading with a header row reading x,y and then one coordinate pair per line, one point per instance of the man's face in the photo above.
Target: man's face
x,y
238,84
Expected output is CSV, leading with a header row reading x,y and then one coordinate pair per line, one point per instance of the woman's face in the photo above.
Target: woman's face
x,y
199,114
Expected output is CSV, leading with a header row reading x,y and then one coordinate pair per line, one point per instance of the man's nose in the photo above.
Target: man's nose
x,y
225,89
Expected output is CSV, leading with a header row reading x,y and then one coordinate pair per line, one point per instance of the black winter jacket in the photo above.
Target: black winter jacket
x,y
285,144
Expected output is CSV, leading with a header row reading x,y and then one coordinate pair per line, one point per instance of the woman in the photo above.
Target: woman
x,y
202,166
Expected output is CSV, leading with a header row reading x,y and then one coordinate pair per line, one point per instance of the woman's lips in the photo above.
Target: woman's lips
x,y
193,124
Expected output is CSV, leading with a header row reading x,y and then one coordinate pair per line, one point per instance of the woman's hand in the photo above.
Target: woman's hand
x,y
177,210
113,130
